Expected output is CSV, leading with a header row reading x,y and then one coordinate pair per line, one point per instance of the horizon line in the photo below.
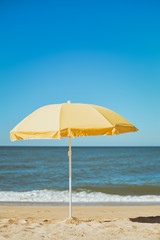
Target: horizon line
x,y
78,146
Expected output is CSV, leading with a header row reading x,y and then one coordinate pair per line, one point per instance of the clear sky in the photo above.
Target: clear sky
x,y
100,52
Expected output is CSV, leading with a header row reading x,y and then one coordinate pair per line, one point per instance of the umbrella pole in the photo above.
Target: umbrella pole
x,y
70,179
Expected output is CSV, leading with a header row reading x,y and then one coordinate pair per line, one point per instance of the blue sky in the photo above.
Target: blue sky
x,y
99,52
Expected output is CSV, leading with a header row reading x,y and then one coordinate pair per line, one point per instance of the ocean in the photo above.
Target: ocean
x,y
99,174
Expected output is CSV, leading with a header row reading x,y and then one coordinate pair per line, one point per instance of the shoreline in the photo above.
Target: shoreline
x,y
63,204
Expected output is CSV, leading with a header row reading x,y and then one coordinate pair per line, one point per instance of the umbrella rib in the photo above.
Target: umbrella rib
x,y
102,115
60,120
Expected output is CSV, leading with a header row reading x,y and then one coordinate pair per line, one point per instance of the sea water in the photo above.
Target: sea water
x,y
99,174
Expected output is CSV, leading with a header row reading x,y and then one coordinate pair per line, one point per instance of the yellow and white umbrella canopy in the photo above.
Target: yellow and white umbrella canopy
x,y
70,120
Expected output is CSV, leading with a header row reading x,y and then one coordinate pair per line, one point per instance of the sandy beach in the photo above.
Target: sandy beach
x,y
89,222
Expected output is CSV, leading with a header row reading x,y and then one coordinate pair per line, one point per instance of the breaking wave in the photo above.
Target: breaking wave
x,y
62,196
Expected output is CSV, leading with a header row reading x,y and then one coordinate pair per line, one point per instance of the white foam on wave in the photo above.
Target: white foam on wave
x,y
62,196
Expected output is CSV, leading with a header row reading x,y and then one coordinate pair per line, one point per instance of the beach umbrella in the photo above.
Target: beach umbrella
x,y
70,120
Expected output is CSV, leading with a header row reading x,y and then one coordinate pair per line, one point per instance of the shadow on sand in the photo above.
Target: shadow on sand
x,y
151,219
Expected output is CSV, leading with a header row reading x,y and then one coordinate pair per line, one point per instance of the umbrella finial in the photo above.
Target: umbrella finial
x,y
69,101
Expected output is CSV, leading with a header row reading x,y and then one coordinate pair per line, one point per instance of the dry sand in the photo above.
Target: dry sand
x,y
101,222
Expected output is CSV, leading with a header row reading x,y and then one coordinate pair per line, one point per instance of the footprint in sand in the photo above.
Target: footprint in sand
x,y
11,221
6,236
112,225
5,226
